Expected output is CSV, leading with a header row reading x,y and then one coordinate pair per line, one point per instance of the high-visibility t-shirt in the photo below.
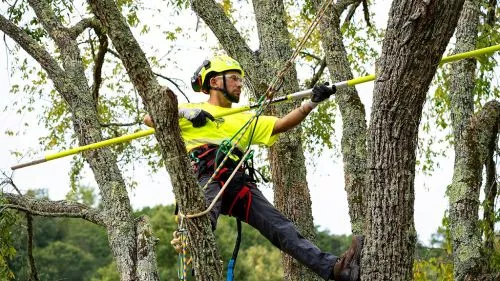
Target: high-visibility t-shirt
x,y
225,127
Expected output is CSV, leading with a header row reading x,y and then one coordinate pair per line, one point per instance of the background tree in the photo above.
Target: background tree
x,y
475,139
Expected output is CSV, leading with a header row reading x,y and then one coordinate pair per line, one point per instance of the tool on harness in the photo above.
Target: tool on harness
x,y
232,262
181,257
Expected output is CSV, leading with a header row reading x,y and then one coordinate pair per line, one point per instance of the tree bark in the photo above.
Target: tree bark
x,y
353,143
471,154
466,182
416,37
463,71
33,272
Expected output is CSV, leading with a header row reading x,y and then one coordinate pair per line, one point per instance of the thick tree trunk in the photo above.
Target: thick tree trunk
x,y
353,143
291,192
416,37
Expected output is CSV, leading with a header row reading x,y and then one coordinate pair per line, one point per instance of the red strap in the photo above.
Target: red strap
x,y
245,191
220,173
205,153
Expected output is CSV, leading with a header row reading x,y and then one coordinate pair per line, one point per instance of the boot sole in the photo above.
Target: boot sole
x,y
355,268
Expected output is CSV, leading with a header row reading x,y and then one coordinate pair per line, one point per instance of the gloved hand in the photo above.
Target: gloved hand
x,y
322,92
197,116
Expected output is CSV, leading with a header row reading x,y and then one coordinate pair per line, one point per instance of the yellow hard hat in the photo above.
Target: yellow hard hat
x,y
217,64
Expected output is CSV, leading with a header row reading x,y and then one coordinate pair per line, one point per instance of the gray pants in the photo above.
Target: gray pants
x,y
242,199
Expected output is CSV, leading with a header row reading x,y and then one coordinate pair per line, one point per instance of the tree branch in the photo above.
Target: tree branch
x,y
48,19
82,25
353,8
70,53
173,82
129,50
213,15
366,13
311,55
490,16
48,63
121,124
98,63
317,75
343,4
47,208
31,259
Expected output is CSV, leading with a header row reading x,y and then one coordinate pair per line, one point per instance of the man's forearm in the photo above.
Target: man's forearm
x,y
293,118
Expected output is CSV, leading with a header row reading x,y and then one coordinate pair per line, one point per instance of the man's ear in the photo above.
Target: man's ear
x,y
212,82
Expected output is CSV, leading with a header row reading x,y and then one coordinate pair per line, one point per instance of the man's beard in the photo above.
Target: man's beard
x,y
234,98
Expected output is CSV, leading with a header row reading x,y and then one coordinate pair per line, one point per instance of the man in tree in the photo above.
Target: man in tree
x,y
208,142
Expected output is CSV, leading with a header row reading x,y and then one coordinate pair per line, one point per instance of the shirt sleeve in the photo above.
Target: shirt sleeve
x,y
263,131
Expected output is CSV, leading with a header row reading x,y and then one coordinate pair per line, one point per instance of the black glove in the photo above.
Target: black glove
x,y
197,116
322,92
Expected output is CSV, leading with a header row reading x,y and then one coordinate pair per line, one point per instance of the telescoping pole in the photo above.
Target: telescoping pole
x,y
297,95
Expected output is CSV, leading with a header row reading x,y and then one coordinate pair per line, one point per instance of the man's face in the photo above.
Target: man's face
x,y
234,82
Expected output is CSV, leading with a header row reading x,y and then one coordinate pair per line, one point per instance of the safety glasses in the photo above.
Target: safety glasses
x,y
232,77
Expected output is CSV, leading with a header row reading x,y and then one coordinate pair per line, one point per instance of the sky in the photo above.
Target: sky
x,y
329,201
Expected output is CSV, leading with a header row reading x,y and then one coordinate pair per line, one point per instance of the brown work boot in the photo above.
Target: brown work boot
x,y
347,266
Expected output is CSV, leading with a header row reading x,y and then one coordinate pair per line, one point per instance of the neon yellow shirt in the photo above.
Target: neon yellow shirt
x,y
224,128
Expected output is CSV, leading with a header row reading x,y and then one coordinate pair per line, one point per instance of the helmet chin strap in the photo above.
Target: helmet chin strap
x,y
224,91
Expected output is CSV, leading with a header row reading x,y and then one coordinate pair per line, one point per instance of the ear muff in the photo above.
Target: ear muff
x,y
196,82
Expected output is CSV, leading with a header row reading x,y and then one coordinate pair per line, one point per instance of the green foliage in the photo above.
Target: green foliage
x,y
260,263
77,264
84,195
435,263
85,246
7,251
433,269
107,273
59,242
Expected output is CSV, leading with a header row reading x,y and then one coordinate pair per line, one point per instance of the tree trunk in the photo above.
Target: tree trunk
x,y
471,153
416,37
72,84
353,143
291,191
466,182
